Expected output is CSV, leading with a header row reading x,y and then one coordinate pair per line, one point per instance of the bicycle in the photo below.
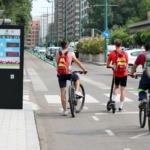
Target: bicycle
x,y
76,102
145,112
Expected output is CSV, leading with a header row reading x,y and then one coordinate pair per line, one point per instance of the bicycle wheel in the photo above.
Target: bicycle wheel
x,y
80,100
71,100
142,116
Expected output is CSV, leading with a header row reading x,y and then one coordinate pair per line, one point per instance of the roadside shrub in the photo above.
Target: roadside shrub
x,y
91,45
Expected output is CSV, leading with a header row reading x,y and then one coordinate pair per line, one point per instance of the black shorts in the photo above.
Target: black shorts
x,y
121,81
62,79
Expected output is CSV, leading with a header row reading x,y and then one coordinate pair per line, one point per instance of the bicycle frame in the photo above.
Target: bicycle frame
x,y
73,99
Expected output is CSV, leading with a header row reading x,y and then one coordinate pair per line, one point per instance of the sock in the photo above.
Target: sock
x,y
114,97
121,104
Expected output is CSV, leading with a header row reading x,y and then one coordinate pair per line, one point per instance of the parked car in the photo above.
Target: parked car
x,y
41,50
112,48
51,52
35,49
132,54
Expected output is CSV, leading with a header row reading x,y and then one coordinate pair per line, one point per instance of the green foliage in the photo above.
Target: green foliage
x,y
90,45
18,11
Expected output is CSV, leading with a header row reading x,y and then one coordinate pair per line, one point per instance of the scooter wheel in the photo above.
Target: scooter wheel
x,y
108,106
113,109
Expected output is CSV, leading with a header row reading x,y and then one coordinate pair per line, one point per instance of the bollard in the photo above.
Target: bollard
x,y
54,62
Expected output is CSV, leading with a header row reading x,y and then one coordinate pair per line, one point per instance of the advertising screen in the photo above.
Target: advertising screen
x,y
10,48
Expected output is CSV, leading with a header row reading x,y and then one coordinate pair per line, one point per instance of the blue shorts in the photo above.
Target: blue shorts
x,y
62,79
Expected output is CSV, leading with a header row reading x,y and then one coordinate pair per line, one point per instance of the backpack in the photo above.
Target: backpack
x,y
121,63
147,64
63,63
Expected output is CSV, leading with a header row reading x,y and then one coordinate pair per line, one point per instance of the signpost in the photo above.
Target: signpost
x,y
11,66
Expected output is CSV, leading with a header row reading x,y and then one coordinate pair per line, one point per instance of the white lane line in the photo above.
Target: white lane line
x,y
26,97
95,83
90,99
118,113
118,98
85,108
109,132
55,99
134,92
37,82
135,137
95,118
103,104
26,80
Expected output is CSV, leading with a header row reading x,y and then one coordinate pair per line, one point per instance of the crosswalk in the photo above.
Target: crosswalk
x,y
38,85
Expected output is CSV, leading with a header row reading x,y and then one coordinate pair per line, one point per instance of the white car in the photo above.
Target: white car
x,y
41,50
132,55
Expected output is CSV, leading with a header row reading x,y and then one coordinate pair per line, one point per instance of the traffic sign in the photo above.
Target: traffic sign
x,y
106,34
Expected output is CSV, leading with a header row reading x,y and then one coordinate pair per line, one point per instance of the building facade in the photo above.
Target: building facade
x,y
143,25
32,38
68,16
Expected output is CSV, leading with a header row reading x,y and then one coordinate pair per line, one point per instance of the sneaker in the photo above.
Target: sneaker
x,y
120,109
142,103
78,93
65,113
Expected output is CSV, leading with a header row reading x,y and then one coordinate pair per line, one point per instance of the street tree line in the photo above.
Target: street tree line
x,y
119,17
19,11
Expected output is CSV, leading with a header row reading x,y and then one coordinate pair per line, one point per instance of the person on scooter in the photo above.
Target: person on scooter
x,y
118,61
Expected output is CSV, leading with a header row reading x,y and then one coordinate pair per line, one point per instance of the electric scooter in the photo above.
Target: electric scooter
x,y
111,103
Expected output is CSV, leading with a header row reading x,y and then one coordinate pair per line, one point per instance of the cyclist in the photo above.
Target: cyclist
x,y
120,77
144,83
62,79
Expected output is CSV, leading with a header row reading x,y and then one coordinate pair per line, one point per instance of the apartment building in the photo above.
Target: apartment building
x,y
67,18
32,38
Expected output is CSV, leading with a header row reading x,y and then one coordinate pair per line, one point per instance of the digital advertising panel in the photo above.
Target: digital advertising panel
x,y
10,41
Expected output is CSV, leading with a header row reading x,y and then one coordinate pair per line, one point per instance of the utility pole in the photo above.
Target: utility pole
x,y
47,24
106,28
80,19
105,25
93,33
66,19
51,22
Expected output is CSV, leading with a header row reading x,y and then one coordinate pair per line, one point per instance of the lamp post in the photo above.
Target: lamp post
x,y
80,19
51,22
92,32
66,19
106,28
47,25
105,25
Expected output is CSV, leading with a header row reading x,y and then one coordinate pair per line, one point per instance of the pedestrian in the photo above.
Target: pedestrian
x,y
118,61
64,57
144,83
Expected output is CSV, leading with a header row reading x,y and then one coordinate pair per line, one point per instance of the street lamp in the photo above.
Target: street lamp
x,y
92,32
80,19
47,25
51,22
105,26
5,21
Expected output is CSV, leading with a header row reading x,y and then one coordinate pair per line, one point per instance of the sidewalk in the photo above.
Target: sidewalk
x,y
96,63
18,130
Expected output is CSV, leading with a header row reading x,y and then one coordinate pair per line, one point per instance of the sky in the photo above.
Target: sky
x,y
37,7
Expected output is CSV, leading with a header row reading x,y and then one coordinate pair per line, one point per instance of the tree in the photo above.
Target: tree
x,y
18,11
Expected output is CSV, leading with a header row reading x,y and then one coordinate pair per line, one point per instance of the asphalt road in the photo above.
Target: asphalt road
x,y
94,128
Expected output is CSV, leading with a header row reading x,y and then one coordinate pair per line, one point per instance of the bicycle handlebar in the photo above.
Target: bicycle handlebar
x,y
81,72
